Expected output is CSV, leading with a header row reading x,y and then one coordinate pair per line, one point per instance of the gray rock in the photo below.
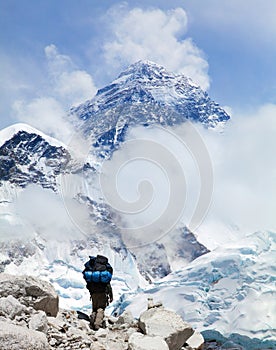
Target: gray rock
x,y
10,307
30,291
152,304
59,337
129,332
102,333
112,319
166,324
38,322
23,327
52,342
14,337
126,318
84,326
57,322
139,341
97,346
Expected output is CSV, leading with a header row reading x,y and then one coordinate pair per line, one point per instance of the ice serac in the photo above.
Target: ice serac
x,y
145,94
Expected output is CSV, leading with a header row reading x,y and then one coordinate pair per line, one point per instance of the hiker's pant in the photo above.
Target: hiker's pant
x,y
99,303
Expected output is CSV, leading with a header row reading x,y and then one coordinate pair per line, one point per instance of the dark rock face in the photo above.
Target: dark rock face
x,y
28,158
188,246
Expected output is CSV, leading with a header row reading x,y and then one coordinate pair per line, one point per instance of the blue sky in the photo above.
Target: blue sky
x,y
57,53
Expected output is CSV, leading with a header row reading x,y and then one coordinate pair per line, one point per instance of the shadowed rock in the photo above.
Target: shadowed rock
x,y
30,291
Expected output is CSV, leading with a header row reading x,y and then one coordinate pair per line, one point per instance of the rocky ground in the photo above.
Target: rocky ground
x,y
30,319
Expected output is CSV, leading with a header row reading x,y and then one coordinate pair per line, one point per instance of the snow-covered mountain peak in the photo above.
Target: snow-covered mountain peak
x,y
7,133
145,94
146,70
29,156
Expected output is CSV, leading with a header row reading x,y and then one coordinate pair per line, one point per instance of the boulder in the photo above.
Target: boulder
x,y
166,324
139,341
10,307
30,291
14,337
196,341
126,318
39,322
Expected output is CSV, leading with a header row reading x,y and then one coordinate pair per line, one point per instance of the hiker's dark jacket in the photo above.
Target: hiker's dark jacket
x,y
100,288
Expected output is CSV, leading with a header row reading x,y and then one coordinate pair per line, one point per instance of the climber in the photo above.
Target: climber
x,y
97,274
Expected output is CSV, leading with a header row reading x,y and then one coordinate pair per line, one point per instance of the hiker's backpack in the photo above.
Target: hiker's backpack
x,y
98,270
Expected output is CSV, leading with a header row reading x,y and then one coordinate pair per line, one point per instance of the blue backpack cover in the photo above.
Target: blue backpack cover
x,y
98,276
98,270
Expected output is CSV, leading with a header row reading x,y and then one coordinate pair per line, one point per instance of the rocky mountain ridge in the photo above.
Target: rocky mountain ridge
x,y
29,157
145,94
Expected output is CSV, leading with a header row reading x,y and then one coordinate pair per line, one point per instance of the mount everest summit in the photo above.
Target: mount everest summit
x,y
145,94
41,181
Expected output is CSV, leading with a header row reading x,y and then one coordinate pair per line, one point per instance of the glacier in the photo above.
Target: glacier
x,y
230,290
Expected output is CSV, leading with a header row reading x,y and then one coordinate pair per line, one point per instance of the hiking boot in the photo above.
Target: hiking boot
x,y
99,318
92,319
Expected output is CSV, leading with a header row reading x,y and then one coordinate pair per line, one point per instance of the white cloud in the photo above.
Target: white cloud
x,y
72,86
66,86
244,177
45,213
245,171
159,179
76,87
155,35
56,61
18,78
45,114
